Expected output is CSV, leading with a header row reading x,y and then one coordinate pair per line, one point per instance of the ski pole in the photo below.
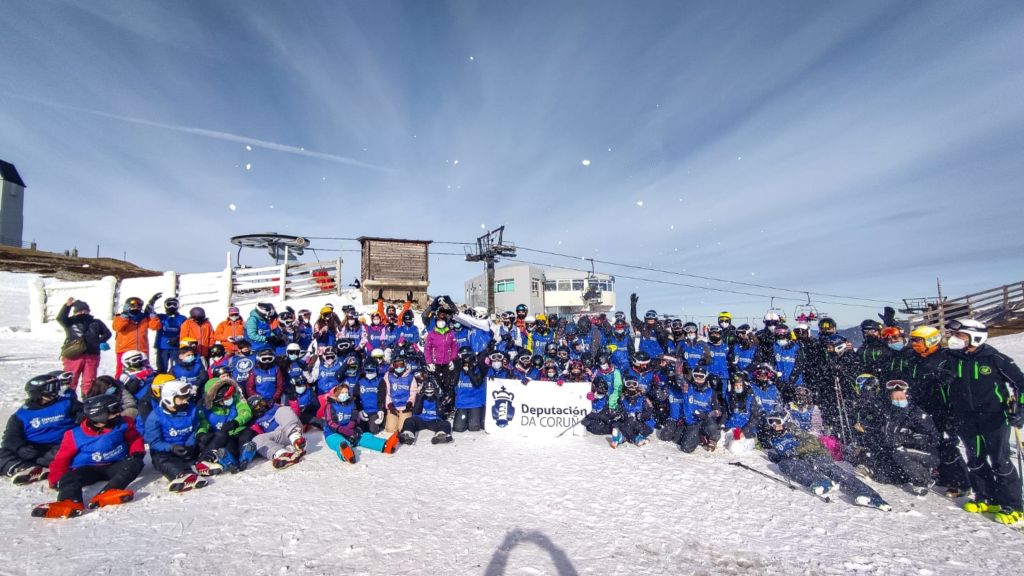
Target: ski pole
x,y
577,423
766,475
1020,465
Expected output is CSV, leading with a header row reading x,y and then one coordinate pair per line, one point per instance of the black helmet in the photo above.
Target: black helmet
x,y
870,325
699,370
171,304
48,383
265,310
224,391
537,361
408,318
217,351
641,358
371,366
466,353
351,366
102,408
429,387
343,346
243,343
603,358
651,315
265,356
521,308
600,385
222,370
258,405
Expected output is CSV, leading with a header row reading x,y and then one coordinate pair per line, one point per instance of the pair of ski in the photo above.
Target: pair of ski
x,y
786,482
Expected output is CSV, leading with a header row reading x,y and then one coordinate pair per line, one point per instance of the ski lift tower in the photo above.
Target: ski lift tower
x,y
489,248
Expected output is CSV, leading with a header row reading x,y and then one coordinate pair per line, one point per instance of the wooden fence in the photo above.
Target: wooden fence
x,y
995,307
287,281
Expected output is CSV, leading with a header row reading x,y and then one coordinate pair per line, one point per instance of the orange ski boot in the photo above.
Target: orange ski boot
x,y
59,509
111,497
391,443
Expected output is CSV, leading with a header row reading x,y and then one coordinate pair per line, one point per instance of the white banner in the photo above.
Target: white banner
x,y
537,409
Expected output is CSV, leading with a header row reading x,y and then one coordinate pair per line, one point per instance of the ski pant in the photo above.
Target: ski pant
x,y
471,419
671,431
446,380
268,443
992,475
692,433
952,468
233,444
807,470
165,360
83,370
366,440
396,422
171,466
632,428
903,466
307,416
11,461
118,476
415,424
370,423
598,423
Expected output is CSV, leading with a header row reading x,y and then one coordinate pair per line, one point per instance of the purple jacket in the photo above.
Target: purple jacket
x,y
441,347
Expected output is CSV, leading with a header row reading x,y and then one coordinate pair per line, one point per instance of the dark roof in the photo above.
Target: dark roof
x,y
9,173
364,239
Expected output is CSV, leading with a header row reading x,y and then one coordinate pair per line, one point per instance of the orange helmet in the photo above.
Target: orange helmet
x,y
925,340
891,332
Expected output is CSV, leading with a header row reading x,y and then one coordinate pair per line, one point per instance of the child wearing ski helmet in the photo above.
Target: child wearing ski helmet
x,y
640,370
742,414
497,366
522,368
342,432
720,353
427,414
103,447
218,357
804,413
132,326
765,392
106,385
326,371
325,329
575,371
694,350
370,393
549,372
266,378
801,458
261,328
376,333
652,334
701,414
189,368
401,389
168,335
613,376
78,324
302,398
600,418
224,426
136,378
676,390
200,330
745,348
278,433
619,345
35,430
171,432
470,392
635,418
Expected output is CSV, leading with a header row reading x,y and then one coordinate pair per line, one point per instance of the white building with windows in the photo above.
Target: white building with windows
x,y
551,290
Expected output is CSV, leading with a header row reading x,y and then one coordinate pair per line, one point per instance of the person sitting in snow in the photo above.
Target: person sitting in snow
x,y
599,420
701,413
303,400
106,385
278,433
223,429
342,431
470,392
35,430
801,457
634,420
103,447
171,432
427,414
742,414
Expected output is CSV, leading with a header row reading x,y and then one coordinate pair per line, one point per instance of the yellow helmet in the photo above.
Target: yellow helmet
x,y
724,314
925,339
542,318
158,383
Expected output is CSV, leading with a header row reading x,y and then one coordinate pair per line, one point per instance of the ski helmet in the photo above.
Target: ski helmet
x,y
827,326
293,351
197,314
133,305
870,326
408,318
371,367
925,340
265,357
724,319
802,395
867,383
714,334
101,409
641,361
351,366
650,315
976,331
217,352
771,319
600,386
343,346
699,373
258,405
429,387
466,354
171,305
173,390
265,310
550,369
521,310
43,385
764,372
632,386
839,344
224,392
537,361
243,345
156,388
220,371
133,360
778,419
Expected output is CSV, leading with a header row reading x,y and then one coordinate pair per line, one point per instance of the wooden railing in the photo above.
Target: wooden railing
x,y
993,307
286,281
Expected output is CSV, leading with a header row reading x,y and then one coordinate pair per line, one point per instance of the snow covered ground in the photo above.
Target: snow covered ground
x,y
484,506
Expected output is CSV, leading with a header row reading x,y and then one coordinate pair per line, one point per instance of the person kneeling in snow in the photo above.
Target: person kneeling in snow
x,y
801,457
103,447
742,415
634,420
279,433
599,420
427,414
701,412
171,432
34,432
342,433
224,428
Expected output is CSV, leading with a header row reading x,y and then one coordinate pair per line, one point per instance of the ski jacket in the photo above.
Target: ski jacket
x,y
214,417
93,331
768,397
84,445
401,390
929,379
908,429
339,417
743,412
166,429
132,332
807,418
441,347
228,331
201,333
169,333
470,391
266,382
370,394
35,425
194,373
699,405
985,381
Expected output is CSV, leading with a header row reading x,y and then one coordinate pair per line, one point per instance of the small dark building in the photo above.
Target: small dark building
x,y
12,205
398,266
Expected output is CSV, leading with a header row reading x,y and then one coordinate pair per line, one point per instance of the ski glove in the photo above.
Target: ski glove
x,y
380,418
391,408
408,406
180,450
380,294
229,425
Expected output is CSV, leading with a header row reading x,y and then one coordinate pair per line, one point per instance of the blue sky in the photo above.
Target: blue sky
x,y
858,148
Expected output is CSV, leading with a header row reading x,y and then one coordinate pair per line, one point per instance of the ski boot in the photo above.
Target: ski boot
x,y
247,455
407,438
59,509
390,444
617,438
641,440
227,460
208,466
29,474
954,492
823,487
1007,515
187,481
873,502
298,442
285,457
919,491
346,453
441,438
111,497
979,507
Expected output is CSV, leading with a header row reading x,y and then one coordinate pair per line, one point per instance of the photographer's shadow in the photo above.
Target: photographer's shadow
x,y
499,561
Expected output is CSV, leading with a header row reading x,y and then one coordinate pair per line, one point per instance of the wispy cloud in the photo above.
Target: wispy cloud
x,y
206,133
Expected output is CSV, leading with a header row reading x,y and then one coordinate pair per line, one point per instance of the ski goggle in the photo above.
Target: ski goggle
x,y
896,385
867,381
776,420
631,384
690,329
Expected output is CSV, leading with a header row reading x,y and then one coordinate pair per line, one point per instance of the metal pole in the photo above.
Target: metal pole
x,y
942,308
490,285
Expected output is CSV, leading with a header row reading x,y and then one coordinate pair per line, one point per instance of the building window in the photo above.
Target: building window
x,y
564,285
577,285
602,285
550,286
505,286
535,287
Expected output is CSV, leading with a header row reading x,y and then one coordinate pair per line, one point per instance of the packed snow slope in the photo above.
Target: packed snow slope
x,y
484,506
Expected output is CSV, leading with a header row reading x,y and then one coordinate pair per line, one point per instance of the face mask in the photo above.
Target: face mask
x,y
598,395
714,339
293,356
956,343
604,366
897,346
371,375
783,341
352,322
737,389
496,365
400,370
723,324
691,336
300,389
376,322
901,403
228,401
343,397
234,318
441,323
110,391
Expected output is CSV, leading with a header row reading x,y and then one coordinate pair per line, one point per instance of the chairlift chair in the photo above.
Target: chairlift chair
x,y
806,312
